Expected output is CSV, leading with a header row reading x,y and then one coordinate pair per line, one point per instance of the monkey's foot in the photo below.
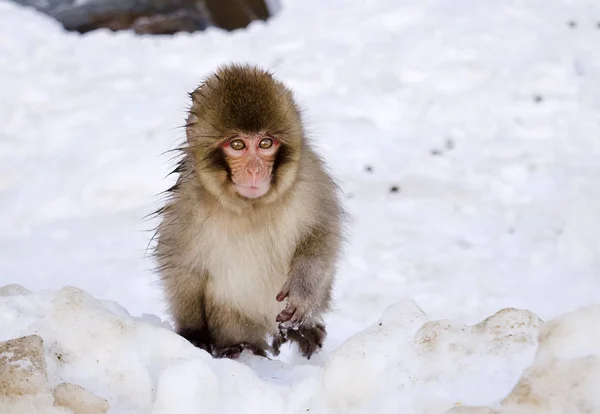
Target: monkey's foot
x,y
309,338
198,338
234,351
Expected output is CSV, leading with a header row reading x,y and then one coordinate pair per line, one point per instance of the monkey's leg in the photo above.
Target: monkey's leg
x,y
232,333
184,293
235,351
309,337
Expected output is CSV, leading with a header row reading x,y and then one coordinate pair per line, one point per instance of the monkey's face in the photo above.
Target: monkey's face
x,y
250,159
246,136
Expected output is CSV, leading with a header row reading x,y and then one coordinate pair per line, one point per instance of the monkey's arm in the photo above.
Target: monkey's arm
x,y
309,282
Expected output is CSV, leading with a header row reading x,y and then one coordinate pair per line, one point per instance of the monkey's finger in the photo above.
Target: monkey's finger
x,y
321,329
285,315
314,335
294,322
285,290
282,295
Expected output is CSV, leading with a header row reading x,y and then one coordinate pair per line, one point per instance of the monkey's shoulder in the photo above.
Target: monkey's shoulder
x,y
317,190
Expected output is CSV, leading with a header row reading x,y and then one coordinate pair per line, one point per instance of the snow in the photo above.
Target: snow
x,y
482,269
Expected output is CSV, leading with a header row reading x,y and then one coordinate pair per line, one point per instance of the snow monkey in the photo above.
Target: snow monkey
x,y
250,236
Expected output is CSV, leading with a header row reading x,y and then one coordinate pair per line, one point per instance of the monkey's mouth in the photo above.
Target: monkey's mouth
x,y
251,191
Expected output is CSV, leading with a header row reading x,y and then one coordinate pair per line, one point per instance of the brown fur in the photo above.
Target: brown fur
x,y
223,258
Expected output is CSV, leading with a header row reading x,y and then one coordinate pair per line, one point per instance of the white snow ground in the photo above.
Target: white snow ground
x,y
486,115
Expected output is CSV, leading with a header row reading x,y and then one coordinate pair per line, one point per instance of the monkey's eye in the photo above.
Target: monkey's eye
x,y
266,143
237,144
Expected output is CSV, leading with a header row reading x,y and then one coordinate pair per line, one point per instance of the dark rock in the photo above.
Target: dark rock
x,y
179,21
143,16
236,14
151,16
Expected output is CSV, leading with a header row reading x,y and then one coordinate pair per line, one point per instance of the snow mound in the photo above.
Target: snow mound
x,y
565,376
403,362
404,351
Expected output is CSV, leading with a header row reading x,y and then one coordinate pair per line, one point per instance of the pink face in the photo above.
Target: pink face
x,y
250,158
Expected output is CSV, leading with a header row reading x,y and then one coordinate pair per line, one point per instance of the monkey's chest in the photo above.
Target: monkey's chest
x,y
247,270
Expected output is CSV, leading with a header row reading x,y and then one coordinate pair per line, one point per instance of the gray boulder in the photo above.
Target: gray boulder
x,y
151,16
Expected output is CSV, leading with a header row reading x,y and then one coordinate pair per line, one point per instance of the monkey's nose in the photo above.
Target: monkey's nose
x,y
253,170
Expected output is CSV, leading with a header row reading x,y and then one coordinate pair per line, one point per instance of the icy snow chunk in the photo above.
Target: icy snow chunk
x,y
572,335
24,384
356,370
23,367
94,341
187,386
96,344
493,335
78,399
199,385
23,380
565,376
252,393
404,351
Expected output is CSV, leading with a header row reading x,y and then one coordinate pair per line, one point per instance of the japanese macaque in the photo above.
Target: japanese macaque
x,y
249,239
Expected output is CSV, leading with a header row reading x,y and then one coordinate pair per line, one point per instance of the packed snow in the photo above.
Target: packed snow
x,y
465,136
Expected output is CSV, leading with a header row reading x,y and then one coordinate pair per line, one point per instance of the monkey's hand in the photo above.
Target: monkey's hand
x,y
296,311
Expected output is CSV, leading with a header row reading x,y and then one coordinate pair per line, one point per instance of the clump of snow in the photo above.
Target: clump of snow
x,y
565,375
187,386
405,351
24,386
23,382
464,136
23,367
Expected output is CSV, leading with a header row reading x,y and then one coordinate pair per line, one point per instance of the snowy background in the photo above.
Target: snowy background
x,y
465,135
